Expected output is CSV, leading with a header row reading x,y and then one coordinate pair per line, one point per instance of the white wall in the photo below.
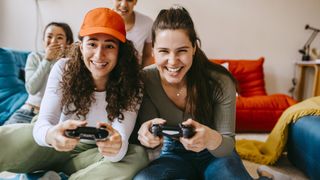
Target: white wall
x,y
237,29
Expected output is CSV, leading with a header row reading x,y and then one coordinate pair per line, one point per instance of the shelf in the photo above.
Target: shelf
x,y
312,62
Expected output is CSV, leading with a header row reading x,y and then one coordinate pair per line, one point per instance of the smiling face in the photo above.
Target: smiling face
x,y
54,34
173,53
100,55
124,7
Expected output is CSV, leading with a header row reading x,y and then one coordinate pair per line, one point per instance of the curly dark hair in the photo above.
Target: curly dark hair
x,y
123,90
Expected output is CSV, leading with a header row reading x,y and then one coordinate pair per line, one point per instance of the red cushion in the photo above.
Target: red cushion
x,y
249,74
260,113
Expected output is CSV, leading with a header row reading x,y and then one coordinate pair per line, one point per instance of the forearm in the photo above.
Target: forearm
x,y
226,146
50,110
40,132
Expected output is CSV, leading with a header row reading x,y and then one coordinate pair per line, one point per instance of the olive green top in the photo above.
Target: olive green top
x,y
156,104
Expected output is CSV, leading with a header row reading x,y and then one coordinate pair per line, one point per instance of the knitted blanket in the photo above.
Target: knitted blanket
x,y
268,152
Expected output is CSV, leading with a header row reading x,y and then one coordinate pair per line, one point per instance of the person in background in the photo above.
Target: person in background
x,y
183,86
99,85
57,36
138,27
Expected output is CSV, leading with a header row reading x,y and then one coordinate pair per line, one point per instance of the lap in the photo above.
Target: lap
x,y
195,166
135,159
23,155
229,166
168,167
20,116
20,153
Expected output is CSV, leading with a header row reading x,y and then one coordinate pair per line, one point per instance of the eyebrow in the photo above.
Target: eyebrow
x,y
182,47
57,34
108,40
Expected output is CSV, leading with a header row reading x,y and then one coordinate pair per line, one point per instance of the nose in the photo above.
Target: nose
x,y
54,40
123,3
99,53
172,58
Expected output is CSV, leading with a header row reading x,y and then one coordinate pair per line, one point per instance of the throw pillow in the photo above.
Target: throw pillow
x,y
249,74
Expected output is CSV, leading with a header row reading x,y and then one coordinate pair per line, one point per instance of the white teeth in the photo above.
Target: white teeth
x,y
99,64
123,11
173,69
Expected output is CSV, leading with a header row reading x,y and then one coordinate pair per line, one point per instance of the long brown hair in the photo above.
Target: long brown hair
x,y
123,90
200,84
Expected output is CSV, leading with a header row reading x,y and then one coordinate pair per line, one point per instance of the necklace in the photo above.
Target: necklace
x,y
179,92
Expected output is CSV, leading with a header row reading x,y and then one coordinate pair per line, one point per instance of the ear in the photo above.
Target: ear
x,y
194,50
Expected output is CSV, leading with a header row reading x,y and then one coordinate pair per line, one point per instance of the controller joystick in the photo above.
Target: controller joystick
x,y
156,130
187,131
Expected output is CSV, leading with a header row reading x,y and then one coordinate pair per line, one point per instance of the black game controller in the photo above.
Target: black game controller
x,y
172,131
90,133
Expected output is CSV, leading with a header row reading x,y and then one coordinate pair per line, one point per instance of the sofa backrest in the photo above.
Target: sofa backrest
x,y
12,89
249,74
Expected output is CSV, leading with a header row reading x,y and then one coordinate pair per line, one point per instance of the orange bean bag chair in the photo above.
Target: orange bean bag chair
x,y
255,110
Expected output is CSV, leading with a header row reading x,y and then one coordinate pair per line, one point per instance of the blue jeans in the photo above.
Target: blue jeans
x,y
175,162
21,116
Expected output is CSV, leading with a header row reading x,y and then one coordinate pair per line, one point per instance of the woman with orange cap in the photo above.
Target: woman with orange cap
x,y
98,86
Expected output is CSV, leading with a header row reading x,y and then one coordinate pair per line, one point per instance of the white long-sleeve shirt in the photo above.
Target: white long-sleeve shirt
x,y
37,72
51,113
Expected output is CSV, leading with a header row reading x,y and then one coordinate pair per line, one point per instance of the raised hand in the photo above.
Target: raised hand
x,y
54,51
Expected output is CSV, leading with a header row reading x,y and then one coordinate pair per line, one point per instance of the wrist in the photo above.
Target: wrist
x,y
215,140
48,138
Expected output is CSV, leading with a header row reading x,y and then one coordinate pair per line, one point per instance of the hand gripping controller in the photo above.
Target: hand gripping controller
x,y
172,131
91,133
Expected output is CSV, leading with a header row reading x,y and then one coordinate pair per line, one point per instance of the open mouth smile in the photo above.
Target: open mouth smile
x,y
99,64
170,69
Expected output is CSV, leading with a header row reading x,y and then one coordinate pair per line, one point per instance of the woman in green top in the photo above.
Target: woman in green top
x,y
185,87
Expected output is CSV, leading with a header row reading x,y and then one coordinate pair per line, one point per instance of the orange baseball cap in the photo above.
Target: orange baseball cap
x,y
103,20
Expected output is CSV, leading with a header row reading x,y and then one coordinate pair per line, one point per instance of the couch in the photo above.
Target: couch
x,y
12,90
256,111
304,144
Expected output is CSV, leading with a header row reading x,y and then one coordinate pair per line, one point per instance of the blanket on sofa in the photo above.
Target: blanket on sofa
x,y
268,152
12,90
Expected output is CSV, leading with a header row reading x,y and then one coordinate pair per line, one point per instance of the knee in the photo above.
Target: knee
x,y
142,176
138,155
152,174
162,171
230,167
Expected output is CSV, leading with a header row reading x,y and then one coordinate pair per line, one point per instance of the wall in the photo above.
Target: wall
x,y
228,28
